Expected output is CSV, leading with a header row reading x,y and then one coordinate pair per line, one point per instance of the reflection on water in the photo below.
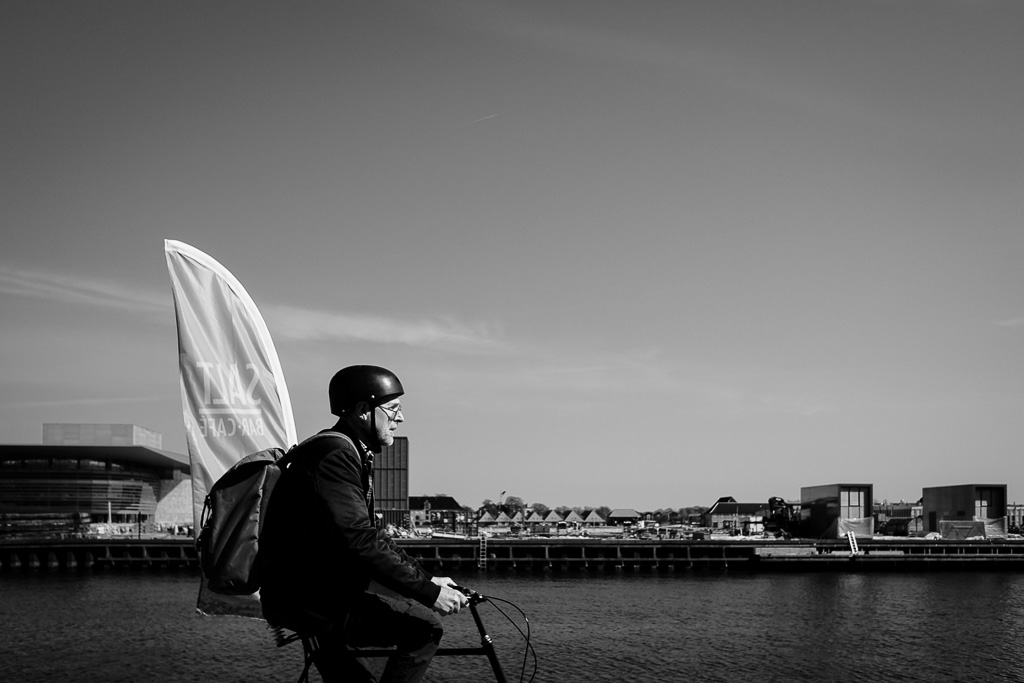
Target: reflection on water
x,y
946,626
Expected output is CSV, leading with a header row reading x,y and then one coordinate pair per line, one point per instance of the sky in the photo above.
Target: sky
x,y
639,255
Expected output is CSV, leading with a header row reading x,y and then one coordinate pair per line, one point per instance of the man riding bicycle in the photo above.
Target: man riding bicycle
x,y
320,546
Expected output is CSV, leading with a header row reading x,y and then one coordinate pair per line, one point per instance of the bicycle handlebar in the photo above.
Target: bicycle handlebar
x,y
474,597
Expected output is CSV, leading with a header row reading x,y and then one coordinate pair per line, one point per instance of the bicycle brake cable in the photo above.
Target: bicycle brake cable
x,y
526,636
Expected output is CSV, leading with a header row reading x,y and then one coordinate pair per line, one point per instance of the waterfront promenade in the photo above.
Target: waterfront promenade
x,y
562,554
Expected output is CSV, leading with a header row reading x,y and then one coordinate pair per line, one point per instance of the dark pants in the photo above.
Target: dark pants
x,y
378,621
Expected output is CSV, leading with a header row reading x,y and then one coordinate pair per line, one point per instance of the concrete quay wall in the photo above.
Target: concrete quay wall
x,y
444,555
89,554
587,555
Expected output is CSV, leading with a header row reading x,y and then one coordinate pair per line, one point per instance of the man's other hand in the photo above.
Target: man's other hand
x,y
449,601
442,581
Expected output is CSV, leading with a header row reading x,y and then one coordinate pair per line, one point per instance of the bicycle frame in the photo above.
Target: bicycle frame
x,y
310,646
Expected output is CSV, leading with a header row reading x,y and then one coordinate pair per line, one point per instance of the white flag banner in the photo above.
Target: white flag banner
x,y
233,393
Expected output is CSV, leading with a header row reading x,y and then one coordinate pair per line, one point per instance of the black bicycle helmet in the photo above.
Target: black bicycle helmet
x,y
356,383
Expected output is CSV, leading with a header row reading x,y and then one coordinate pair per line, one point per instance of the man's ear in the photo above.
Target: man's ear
x,y
362,408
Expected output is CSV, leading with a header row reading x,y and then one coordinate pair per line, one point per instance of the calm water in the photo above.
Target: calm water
x,y
686,627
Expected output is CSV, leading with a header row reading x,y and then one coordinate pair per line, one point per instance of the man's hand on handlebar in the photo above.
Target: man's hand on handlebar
x,y
442,581
449,600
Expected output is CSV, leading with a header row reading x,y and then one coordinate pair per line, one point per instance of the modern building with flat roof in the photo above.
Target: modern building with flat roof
x,y
391,483
962,503
120,474
112,473
831,510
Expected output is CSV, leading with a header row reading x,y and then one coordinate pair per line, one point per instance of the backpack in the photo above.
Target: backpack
x,y
232,519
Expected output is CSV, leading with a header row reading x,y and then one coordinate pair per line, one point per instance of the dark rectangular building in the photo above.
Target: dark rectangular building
x,y
962,503
822,508
391,483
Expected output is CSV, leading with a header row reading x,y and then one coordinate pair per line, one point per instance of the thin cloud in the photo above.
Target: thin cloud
x,y
286,322
301,324
482,118
714,66
741,401
1011,322
71,289
76,402
578,382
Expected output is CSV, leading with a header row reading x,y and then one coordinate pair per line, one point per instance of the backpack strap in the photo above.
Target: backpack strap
x,y
293,451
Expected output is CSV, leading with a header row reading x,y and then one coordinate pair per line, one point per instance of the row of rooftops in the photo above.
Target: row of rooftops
x,y
552,517
447,503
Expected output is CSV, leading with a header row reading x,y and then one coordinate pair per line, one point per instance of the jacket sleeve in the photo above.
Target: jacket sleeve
x,y
404,555
338,481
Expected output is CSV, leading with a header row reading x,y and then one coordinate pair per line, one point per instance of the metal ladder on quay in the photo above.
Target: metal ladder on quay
x,y
481,558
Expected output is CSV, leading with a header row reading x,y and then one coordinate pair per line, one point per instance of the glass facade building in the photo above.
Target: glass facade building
x,y
93,473
119,474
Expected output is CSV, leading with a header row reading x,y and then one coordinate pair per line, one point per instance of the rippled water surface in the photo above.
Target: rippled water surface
x,y
608,628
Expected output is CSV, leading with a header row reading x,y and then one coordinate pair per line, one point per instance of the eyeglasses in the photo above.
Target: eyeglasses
x,y
393,412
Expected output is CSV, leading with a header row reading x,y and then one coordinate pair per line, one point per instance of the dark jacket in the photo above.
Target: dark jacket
x,y
320,545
